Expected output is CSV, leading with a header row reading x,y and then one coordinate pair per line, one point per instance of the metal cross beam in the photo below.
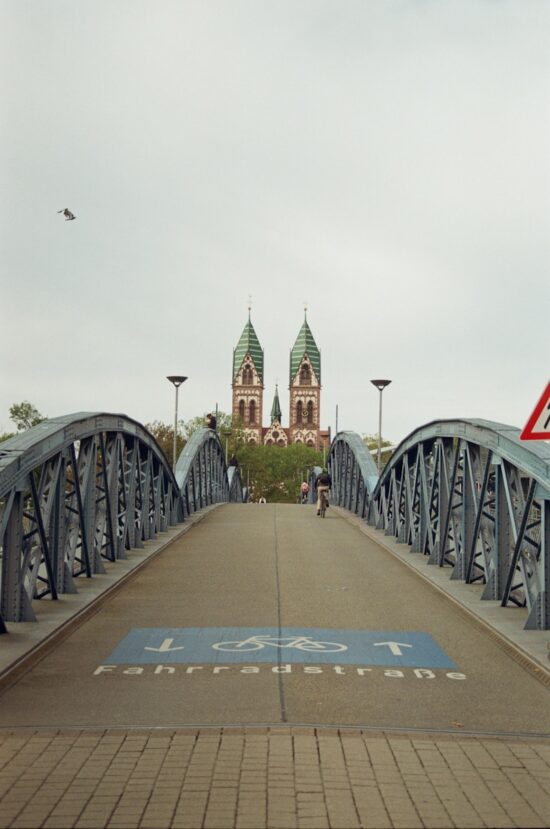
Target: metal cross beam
x,y
84,488
468,495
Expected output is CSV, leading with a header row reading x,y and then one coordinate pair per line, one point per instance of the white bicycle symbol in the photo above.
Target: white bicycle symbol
x,y
300,643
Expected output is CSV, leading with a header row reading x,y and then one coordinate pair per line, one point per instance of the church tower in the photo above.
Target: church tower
x,y
275,434
248,383
305,389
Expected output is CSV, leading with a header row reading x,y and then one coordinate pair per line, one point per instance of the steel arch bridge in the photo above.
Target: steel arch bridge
x,y
84,488
81,489
470,496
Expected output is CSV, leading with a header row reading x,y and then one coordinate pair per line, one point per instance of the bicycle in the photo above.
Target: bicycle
x,y
300,643
323,502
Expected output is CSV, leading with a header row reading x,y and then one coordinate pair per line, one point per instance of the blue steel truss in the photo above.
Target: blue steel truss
x,y
84,488
470,496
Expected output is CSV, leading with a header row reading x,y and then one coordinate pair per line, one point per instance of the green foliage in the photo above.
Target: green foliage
x,y
371,442
276,472
190,426
229,429
25,415
6,435
164,435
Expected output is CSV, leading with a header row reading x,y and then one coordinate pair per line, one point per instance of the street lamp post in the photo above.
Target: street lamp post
x,y
227,434
176,380
380,385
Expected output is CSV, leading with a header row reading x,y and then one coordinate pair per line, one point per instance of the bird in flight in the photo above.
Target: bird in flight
x,y
69,217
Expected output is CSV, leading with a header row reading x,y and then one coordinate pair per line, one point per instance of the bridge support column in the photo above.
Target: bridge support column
x,y
464,544
503,543
539,617
87,464
440,468
58,532
15,603
402,516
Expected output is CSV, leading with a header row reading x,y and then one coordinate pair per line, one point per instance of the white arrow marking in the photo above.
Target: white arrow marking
x,y
165,647
395,647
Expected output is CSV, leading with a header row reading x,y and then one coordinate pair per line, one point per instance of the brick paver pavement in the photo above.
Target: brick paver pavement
x,y
277,778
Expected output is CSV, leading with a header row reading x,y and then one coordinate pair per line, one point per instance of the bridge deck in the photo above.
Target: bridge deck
x,y
400,658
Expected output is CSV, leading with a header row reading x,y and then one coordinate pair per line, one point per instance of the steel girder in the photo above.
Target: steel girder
x,y
470,496
81,489
353,472
201,472
236,490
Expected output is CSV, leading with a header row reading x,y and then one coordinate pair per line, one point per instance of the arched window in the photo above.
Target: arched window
x,y
252,412
248,376
241,409
299,411
251,441
310,443
280,442
305,375
310,411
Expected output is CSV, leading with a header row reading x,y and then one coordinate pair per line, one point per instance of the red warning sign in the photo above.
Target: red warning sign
x,y
538,425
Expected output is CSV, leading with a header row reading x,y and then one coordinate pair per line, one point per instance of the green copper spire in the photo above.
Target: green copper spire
x,y
276,413
249,344
305,344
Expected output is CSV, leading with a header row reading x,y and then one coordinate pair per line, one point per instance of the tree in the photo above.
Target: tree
x,y
6,435
25,415
276,472
164,436
229,429
371,442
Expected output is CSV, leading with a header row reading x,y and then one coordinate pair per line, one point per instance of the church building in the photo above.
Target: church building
x,y
304,421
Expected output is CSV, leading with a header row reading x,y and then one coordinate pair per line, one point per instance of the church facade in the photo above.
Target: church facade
x,y
304,419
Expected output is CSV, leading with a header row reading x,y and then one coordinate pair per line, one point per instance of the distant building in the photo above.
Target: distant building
x,y
248,383
304,421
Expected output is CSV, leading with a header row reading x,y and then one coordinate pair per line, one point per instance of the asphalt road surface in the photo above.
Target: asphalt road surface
x,y
266,614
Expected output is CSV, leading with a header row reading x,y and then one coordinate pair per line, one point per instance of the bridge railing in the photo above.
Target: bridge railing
x,y
202,475
237,492
81,489
470,496
353,472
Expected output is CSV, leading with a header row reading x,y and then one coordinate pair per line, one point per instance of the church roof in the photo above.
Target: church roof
x,y
276,413
249,344
305,344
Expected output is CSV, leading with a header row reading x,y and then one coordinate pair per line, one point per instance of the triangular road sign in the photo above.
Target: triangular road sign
x,y
538,425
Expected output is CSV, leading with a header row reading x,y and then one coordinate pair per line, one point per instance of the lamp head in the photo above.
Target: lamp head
x,y
380,384
177,379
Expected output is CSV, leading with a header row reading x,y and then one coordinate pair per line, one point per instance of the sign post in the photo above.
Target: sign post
x,y
538,425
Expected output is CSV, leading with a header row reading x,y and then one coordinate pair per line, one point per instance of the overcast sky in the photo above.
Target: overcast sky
x,y
386,161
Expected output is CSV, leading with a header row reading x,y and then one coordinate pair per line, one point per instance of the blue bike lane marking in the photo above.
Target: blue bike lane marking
x,y
146,646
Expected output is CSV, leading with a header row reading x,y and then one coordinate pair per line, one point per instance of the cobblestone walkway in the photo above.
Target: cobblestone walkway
x,y
276,778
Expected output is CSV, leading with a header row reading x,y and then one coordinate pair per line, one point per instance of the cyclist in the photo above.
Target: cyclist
x,y
322,484
304,492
